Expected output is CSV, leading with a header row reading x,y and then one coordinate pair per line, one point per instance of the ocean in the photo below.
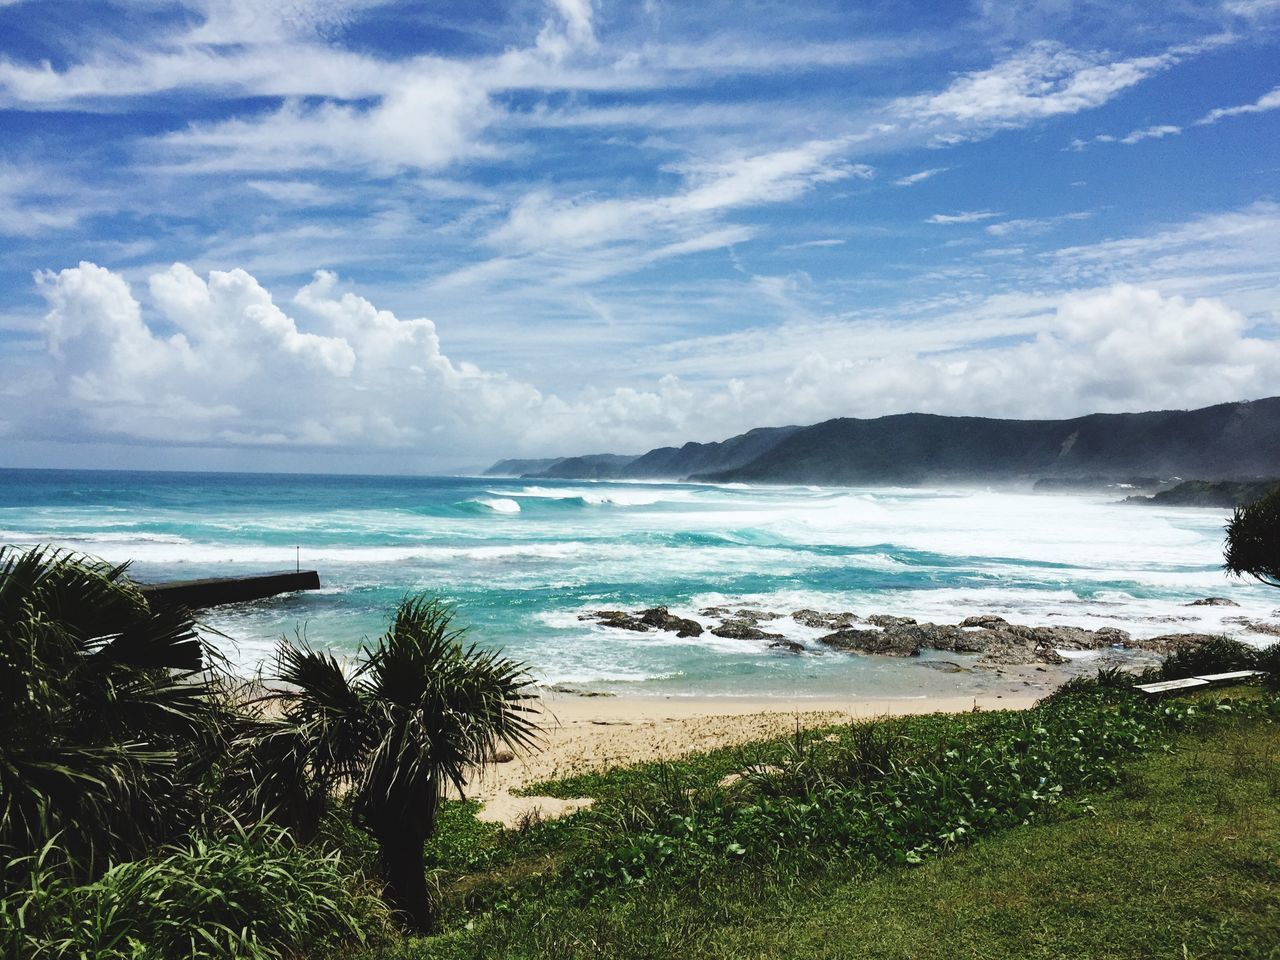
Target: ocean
x,y
521,560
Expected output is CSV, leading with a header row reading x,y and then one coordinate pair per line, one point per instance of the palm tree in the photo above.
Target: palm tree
x,y
418,713
1253,540
108,717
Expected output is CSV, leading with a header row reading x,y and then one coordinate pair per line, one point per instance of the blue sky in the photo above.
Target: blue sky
x,y
358,235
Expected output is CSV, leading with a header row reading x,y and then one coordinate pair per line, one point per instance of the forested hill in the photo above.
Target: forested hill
x,y
1226,441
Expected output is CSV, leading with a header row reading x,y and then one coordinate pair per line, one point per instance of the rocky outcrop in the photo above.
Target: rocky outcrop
x,y
1213,602
661,619
823,621
885,620
1172,642
657,618
618,619
741,628
888,643
996,641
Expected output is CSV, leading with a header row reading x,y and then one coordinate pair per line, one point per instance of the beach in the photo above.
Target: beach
x,y
583,734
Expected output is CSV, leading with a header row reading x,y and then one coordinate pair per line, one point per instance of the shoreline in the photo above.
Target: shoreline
x,y
595,733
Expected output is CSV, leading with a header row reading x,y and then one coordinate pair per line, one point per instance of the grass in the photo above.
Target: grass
x,y
1178,856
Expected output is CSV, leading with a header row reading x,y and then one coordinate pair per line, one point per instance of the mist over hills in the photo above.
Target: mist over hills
x,y
1227,441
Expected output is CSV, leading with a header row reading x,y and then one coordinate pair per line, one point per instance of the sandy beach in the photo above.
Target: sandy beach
x,y
590,733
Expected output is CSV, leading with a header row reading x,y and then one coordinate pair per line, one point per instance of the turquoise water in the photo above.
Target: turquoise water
x,y
521,560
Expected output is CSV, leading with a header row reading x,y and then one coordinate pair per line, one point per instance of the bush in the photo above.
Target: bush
x,y
252,894
1269,660
1218,655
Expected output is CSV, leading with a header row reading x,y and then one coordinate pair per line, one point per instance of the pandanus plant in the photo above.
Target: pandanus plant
x,y
1253,540
418,713
109,720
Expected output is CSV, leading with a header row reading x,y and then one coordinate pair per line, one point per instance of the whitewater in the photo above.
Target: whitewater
x,y
523,560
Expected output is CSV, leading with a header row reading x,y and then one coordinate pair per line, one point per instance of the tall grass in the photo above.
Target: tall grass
x,y
250,894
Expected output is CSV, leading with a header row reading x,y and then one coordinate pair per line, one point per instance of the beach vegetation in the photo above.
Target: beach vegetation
x,y
246,893
111,716
419,713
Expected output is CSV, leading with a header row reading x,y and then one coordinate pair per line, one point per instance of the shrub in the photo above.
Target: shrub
x,y
1269,660
248,895
109,714
1218,655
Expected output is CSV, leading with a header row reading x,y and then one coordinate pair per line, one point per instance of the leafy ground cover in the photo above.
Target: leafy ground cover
x,y
1096,825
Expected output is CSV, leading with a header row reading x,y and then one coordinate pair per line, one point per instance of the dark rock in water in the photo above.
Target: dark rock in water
x,y
824,621
887,643
983,620
735,629
717,612
657,618
885,620
790,646
660,618
1256,626
757,615
943,666
618,619
1212,602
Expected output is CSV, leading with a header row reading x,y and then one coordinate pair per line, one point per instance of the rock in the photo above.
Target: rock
x,y
1212,602
788,645
1255,626
743,630
660,618
944,666
885,620
715,612
888,643
936,636
1171,642
1012,649
619,619
502,756
824,621
757,615
983,620
657,618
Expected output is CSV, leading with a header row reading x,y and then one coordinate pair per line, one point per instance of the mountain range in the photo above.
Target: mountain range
x,y
1227,441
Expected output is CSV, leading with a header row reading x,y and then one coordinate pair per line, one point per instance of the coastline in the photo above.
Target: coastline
x,y
595,733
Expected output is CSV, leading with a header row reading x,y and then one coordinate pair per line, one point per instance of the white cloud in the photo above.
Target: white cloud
x,y
1046,79
913,178
332,371
965,216
1268,101
294,192
1033,225
585,238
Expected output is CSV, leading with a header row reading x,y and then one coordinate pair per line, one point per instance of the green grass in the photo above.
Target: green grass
x,y
1178,857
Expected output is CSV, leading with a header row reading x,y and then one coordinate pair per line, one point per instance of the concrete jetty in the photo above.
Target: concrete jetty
x,y
213,592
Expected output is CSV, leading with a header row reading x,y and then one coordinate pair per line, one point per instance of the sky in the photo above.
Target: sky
x,y
367,236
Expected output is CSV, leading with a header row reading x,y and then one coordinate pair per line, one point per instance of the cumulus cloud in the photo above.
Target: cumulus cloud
x,y
215,361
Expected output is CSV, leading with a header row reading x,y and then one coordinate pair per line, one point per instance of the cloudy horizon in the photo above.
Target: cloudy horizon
x,y
354,235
